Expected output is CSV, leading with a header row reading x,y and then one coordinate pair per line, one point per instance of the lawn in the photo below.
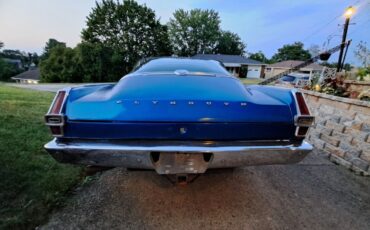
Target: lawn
x,y
249,81
31,182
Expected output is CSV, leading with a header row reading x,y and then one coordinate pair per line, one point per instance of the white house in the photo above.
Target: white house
x,y
31,76
238,65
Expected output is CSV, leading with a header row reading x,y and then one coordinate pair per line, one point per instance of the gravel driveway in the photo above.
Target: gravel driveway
x,y
315,194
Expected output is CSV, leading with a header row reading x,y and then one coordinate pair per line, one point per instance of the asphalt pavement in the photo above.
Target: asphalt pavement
x,y
314,194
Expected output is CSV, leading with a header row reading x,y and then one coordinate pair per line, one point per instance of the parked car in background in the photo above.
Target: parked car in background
x,y
179,117
295,80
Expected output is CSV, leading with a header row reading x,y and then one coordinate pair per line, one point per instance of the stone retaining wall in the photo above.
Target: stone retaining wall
x,y
356,87
342,130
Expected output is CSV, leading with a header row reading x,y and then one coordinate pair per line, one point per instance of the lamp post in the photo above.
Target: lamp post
x,y
349,12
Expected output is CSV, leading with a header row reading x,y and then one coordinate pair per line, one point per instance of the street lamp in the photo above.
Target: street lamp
x,y
349,12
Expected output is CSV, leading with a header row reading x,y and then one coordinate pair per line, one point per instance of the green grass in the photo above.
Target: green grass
x,y
249,81
32,183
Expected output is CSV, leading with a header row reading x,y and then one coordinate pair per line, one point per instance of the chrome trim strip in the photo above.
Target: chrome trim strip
x,y
149,146
138,155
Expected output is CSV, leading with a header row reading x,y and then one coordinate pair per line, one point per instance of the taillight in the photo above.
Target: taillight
x,y
58,103
303,120
303,109
54,118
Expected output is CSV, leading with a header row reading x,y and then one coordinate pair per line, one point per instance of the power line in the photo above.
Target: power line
x,y
318,30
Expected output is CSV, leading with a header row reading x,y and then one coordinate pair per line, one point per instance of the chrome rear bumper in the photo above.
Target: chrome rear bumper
x,y
177,157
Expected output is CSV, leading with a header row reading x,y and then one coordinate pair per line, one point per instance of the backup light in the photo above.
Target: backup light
x,y
304,121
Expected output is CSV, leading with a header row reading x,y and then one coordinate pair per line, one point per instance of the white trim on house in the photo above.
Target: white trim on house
x,y
25,81
232,64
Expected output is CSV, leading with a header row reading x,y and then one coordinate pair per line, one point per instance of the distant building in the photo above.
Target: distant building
x,y
15,62
237,65
31,76
280,67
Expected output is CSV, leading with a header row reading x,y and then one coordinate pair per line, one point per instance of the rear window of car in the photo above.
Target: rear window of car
x,y
180,64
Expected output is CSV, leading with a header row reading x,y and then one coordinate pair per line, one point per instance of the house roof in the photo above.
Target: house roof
x,y
226,58
291,63
33,74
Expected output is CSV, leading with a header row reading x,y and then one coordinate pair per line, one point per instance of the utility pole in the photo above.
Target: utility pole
x,y
348,15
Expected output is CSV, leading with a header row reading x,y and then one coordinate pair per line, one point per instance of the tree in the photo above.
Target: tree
x,y
98,63
13,54
362,53
50,44
130,29
87,62
230,43
195,31
293,51
35,59
60,66
259,56
1,45
7,70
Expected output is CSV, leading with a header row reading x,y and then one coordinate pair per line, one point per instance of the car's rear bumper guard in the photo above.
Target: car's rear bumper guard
x,y
183,157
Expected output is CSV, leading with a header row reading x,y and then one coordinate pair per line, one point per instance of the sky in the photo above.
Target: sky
x,y
264,25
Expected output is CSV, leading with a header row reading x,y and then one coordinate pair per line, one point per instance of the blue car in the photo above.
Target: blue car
x,y
295,80
180,117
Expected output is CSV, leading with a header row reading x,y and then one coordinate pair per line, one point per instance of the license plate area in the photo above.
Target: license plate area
x,y
180,163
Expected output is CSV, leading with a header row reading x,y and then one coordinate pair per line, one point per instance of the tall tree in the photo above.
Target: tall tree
x,y
98,63
230,43
50,44
129,28
293,51
1,45
259,56
194,31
